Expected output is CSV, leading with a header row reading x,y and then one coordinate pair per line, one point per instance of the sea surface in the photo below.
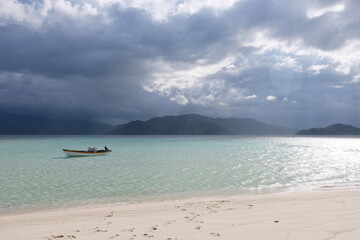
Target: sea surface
x,y
35,174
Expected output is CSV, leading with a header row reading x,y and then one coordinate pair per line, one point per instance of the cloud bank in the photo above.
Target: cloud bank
x,y
291,63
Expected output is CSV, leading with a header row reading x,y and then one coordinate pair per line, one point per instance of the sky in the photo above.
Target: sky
x,y
290,63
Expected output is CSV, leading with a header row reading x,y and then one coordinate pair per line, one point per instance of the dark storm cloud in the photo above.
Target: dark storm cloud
x,y
84,49
106,65
91,62
94,48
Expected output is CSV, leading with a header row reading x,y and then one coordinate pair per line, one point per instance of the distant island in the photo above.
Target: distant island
x,y
194,124
188,124
335,129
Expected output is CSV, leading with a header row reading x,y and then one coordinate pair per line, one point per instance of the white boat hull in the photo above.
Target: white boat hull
x,y
73,153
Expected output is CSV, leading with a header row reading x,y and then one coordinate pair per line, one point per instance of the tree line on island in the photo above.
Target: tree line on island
x,y
189,124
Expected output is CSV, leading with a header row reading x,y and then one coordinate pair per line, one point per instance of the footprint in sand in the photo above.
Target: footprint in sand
x,y
153,228
58,236
55,237
198,227
147,235
129,230
114,236
61,237
193,217
110,215
215,234
169,222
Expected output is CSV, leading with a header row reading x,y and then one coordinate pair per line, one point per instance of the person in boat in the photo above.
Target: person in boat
x,y
106,149
91,149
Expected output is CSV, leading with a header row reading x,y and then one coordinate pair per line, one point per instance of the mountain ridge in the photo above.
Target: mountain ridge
x,y
195,124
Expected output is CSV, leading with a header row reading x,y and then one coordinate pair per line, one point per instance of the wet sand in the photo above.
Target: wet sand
x,y
311,215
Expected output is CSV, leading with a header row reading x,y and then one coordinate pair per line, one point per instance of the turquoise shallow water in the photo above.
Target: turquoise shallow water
x,y
34,173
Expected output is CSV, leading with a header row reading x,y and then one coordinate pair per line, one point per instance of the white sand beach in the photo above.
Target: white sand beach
x,y
310,215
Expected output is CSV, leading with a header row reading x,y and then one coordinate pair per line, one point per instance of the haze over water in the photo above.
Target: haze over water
x,y
34,172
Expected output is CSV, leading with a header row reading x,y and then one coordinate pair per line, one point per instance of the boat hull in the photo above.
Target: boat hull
x,y
74,153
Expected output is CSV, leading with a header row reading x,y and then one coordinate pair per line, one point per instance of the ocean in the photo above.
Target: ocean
x,y
36,174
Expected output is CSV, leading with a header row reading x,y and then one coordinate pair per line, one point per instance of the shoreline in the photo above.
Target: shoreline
x,y
91,203
285,215
174,197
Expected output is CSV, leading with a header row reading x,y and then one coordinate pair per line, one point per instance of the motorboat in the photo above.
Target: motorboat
x,y
90,152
